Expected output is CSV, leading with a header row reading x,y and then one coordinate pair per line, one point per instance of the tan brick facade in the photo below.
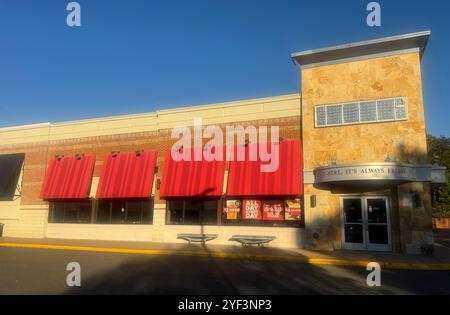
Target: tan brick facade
x,y
402,141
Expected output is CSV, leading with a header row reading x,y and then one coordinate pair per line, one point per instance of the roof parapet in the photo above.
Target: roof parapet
x,y
413,42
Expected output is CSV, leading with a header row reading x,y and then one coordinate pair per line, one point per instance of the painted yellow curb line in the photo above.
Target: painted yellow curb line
x,y
313,261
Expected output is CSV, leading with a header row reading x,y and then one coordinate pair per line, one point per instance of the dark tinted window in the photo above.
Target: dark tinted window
x,y
118,212
209,214
192,212
70,212
125,212
175,211
10,168
103,212
56,213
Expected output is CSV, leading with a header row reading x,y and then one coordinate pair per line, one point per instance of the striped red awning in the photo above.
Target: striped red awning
x,y
246,179
192,178
127,175
68,178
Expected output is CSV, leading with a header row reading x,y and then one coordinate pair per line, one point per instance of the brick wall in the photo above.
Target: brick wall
x,y
38,155
32,215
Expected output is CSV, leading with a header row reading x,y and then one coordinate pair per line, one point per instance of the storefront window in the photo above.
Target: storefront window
x,y
192,212
125,212
70,212
256,212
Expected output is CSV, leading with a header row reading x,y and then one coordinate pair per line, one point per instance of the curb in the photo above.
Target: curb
x,y
224,255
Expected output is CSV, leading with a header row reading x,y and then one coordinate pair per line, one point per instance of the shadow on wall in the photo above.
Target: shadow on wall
x,y
326,224
410,155
323,228
202,218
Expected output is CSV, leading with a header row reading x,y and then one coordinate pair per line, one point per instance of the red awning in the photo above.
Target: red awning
x,y
127,175
192,178
246,179
68,178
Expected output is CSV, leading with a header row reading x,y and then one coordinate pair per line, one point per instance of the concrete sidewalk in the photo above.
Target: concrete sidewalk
x,y
440,260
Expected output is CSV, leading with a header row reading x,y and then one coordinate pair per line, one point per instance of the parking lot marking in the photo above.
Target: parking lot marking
x,y
225,255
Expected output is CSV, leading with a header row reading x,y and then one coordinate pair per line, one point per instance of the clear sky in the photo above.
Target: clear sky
x,y
140,56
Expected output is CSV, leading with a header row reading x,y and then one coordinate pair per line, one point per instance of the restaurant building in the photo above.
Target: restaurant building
x,y
353,170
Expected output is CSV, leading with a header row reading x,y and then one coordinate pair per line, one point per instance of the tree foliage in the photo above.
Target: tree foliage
x,y
439,153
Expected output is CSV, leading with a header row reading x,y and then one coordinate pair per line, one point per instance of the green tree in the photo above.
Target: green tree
x,y
439,153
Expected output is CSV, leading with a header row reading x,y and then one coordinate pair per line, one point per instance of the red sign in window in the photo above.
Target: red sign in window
x,y
232,208
273,211
293,210
251,210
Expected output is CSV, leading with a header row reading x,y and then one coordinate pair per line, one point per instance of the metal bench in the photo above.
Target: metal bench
x,y
197,238
252,239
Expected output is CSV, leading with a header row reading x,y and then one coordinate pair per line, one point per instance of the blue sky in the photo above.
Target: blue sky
x,y
139,56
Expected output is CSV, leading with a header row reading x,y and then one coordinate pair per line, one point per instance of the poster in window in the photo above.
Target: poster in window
x,y
293,210
273,211
232,209
251,210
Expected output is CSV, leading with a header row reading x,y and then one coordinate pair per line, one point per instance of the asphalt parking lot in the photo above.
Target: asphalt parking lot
x,y
43,271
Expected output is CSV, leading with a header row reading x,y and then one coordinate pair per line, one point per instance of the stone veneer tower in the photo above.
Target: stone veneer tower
x,y
371,70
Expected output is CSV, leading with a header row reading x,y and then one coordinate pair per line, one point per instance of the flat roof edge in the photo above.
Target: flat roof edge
x,y
155,113
27,126
362,48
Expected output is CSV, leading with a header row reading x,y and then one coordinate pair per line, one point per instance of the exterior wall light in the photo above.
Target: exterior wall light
x,y
313,201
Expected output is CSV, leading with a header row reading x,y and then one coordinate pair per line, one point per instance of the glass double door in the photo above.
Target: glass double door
x,y
366,223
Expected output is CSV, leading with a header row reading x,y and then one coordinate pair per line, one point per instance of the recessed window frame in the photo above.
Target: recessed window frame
x,y
359,122
125,204
11,183
58,209
202,212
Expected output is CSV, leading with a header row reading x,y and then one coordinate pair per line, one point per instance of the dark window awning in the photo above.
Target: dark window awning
x,y
188,179
10,169
246,178
127,175
68,178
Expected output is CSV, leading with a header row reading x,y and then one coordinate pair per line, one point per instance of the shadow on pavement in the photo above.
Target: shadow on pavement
x,y
442,237
208,275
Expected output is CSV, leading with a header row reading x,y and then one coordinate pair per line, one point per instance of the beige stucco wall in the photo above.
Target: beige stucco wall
x,y
230,112
31,222
403,141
